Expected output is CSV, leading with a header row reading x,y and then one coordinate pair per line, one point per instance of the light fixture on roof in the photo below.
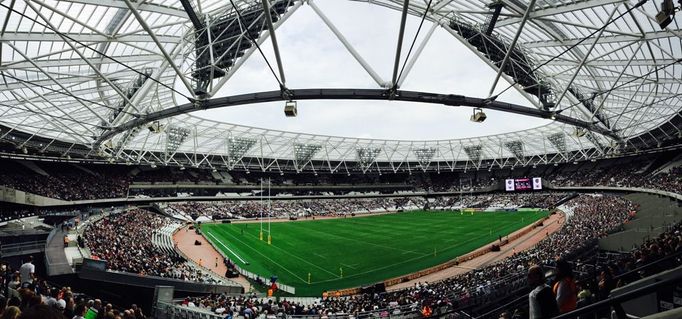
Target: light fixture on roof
x,y
665,16
155,127
290,109
478,116
580,131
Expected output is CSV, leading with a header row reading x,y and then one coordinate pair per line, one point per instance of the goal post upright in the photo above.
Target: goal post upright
x,y
260,235
269,212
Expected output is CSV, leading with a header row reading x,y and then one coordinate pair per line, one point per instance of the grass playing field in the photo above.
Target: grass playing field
x,y
365,249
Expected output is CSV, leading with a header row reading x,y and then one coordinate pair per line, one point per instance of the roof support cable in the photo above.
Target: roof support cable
x,y
414,41
639,4
640,77
98,52
248,36
394,83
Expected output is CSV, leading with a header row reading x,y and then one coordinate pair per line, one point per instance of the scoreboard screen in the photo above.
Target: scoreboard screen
x,y
523,184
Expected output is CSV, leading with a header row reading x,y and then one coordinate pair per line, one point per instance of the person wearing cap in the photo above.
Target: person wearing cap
x,y
27,271
60,305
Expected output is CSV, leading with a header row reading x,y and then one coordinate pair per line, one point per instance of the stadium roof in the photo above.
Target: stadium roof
x,y
121,77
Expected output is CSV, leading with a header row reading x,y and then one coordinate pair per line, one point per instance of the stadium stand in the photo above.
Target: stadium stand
x,y
83,182
589,217
138,241
342,206
20,296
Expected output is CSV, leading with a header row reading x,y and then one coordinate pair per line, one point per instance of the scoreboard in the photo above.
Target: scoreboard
x,y
523,184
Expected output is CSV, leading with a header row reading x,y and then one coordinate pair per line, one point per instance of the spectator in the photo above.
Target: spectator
x,y
541,302
80,311
27,271
12,312
40,311
565,290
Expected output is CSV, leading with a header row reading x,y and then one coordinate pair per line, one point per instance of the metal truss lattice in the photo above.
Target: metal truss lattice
x,y
73,70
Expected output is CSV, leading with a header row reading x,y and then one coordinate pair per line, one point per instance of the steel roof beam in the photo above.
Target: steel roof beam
x,y
399,46
604,39
80,37
561,9
512,45
273,38
151,7
355,94
368,68
635,62
156,40
77,62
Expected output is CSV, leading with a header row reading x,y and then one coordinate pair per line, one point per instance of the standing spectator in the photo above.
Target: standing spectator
x,y
541,303
27,271
137,312
565,289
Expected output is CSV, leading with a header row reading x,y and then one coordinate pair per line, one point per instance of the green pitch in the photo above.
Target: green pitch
x,y
357,251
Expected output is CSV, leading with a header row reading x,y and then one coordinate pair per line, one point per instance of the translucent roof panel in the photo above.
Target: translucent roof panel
x,y
76,70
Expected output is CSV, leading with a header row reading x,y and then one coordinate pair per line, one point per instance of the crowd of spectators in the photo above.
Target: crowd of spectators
x,y
543,200
70,185
65,182
174,175
25,295
591,217
626,175
345,206
124,241
290,208
71,182
653,256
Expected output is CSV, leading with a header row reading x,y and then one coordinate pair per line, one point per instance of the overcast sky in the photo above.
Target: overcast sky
x,y
313,57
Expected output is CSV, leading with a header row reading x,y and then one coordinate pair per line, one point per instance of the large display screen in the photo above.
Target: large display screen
x,y
523,184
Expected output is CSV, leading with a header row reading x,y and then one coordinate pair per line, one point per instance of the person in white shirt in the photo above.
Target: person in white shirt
x,y
27,271
541,302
